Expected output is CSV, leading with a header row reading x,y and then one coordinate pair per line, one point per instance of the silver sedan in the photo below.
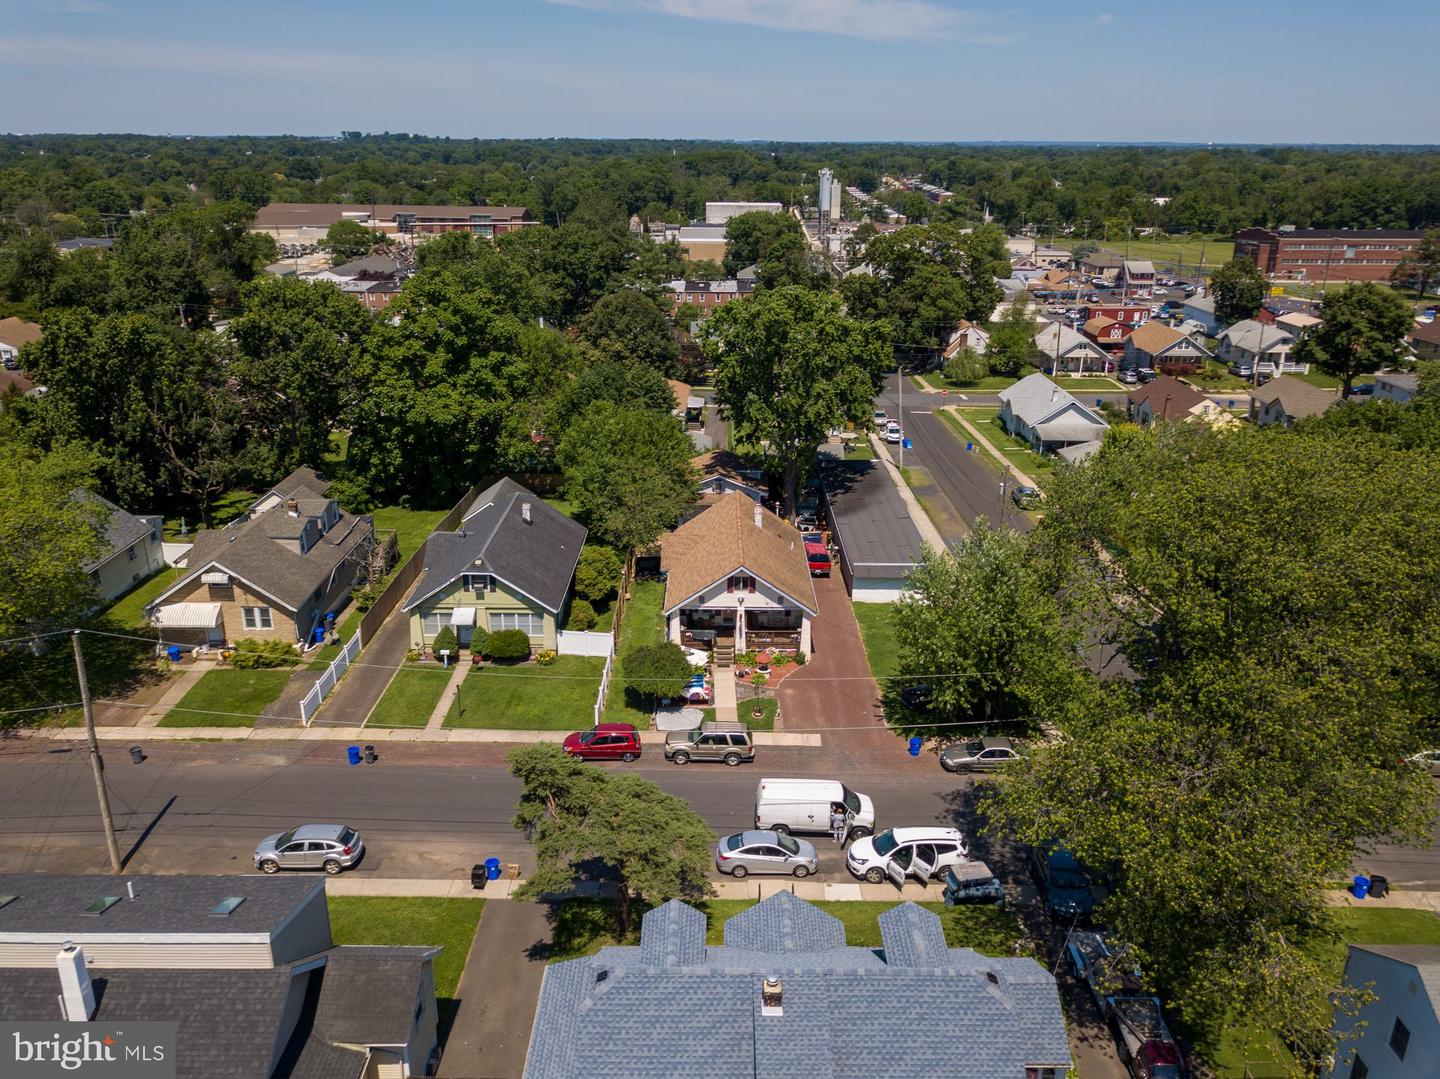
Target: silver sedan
x,y
765,852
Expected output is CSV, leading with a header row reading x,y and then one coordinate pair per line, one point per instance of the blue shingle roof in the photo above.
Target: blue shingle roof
x,y
672,935
617,1013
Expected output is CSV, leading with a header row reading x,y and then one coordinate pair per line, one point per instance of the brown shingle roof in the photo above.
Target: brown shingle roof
x,y
1429,332
1169,398
1298,399
724,540
18,332
1154,336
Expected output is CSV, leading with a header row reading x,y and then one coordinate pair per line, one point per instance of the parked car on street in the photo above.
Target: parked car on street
x,y
892,432
604,742
1024,496
730,743
880,418
331,847
765,852
978,755
972,882
898,853
1428,759
1063,883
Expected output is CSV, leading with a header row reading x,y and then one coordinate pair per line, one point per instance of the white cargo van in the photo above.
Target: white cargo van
x,y
803,805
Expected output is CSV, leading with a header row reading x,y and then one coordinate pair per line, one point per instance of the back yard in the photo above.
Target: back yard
x,y
641,624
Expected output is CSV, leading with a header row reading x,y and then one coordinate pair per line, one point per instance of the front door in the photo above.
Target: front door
x,y
462,634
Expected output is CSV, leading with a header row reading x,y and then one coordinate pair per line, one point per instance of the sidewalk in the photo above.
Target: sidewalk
x,y
928,532
365,734
988,447
447,698
182,685
814,890
1404,899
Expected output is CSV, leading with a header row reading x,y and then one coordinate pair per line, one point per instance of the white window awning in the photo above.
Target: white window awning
x,y
462,616
187,616
214,577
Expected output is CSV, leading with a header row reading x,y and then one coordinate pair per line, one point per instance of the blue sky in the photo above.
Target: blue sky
x,y
1216,70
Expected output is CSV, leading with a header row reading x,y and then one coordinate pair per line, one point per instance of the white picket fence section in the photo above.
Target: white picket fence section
x,y
604,686
588,643
310,703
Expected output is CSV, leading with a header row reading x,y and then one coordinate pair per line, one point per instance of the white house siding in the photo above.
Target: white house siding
x,y
764,598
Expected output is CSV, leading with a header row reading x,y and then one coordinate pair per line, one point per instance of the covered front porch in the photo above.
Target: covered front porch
x,y
709,628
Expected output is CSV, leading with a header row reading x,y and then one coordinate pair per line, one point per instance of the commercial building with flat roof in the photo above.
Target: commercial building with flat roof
x,y
1326,254
878,543
307,222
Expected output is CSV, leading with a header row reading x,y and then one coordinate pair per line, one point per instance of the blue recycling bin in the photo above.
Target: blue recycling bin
x,y
969,447
354,754
915,743
174,653
318,637
1361,887
492,868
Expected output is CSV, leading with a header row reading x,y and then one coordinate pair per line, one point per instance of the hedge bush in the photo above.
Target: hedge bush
x,y
445,641
250,654
582,615
508,644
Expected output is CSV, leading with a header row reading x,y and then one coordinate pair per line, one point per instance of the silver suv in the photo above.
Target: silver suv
x,y
331,847
717,741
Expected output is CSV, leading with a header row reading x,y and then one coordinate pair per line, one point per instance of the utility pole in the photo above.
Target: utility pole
x,y
900,378
96,764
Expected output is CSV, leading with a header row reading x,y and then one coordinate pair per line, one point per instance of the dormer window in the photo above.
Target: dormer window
x,y
479,583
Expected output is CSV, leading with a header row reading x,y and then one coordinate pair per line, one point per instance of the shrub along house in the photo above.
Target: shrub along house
x,y
509,565
736,578
274,574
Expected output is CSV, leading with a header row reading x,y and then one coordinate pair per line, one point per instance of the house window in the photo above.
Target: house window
x,y
1033,1072
477,582
532,624
256,617
740,583
1399,1038
1359,1070
130,552
431,624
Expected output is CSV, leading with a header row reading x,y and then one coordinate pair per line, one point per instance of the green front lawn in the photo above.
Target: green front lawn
x,y
584,926
988,384
227,697
1216,378
1016,451
859,449
877,631
410,697
1316,377
448,924
768,705
1086,384
641,624
560,697
129,609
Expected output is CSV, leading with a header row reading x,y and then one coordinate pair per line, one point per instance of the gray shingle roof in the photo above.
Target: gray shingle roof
x,y
162,904
983,1017
1297,398
673,935
121,528
537,558
1034,399
873,527
784,924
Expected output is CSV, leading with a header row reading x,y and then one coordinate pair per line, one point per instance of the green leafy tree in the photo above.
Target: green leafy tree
x,y
597,575
750,237
966,366
977,626
1256,740
631,327
789,367
582,615
29,267
1420,269
296,346
347,240
652,844
1238,289
627,472
1364,330
1012,340
656,670
50,537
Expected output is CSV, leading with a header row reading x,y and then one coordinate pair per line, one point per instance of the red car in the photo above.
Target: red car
x,y
605,742
819,559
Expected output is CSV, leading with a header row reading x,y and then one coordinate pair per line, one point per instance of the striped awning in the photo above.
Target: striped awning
x,y
188,616
215,577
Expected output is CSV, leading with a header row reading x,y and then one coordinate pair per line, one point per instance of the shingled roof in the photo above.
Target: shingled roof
x,y
704,1018
735,535
1298,399
119,528
1169,397
536,557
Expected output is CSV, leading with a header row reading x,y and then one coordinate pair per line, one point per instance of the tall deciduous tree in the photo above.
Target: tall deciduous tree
x,y
1279,620
1420,269
630,327
749,237
652,843
1364,330
1238,289
296,345
348,240
628,473
790,366
1012,339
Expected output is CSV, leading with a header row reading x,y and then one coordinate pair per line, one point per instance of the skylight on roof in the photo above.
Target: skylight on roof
x,y
226,906
101,905
6,900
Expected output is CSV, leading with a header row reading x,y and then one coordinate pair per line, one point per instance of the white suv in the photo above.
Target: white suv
x,y
898,853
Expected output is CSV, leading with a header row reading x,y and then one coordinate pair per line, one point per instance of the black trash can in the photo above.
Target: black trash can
x,y
369,754
1379,886
478,876
137,755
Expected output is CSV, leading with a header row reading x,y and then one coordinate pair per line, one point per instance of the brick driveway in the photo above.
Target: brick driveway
x,y
834,693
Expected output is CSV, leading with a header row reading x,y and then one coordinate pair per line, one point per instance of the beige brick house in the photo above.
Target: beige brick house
x,y
272,575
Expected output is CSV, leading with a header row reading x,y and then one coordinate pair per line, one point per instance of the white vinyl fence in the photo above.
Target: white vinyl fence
x,y
604,686
310,704
575,643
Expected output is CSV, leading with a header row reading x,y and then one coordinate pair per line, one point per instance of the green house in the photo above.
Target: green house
x,y
509,565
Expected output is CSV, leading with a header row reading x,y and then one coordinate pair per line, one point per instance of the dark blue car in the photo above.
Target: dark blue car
x,y
1064,885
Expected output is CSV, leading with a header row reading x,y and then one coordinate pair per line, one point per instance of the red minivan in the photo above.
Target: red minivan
x,y
605,742
818,557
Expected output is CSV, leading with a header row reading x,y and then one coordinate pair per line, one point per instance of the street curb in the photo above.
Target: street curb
x,y
812,890
365,734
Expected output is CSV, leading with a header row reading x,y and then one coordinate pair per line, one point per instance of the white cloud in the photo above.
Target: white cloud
x,y
1104,19
872,20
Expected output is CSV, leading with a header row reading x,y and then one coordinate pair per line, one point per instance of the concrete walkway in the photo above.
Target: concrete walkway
x,y
171,697
447,698
928,532
335,733
989,447
726,709
1406,899
351,702
498,993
